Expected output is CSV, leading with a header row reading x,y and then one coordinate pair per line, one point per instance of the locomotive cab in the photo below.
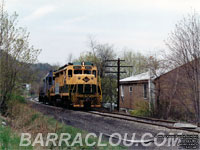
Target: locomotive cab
x,y
85,85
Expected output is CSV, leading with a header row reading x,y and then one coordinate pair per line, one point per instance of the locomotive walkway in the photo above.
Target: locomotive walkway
x,y
95,123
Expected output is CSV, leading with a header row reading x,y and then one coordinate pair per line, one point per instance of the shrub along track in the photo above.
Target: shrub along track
x,y
99,122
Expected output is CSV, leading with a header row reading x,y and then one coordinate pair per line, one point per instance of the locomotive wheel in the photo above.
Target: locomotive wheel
x,y
44,100
51,101
58,102
68,105
87,105
40,98
65,103
54,102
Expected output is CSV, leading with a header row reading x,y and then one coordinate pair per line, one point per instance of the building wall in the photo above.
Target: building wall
x,y
137,94
174,94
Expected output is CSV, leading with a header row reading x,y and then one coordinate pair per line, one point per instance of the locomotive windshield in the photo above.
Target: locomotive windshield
x,y
77,67
88,67
80,72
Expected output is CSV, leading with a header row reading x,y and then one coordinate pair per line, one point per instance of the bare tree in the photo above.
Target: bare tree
x,y
15,55
98,54
137,60
184,50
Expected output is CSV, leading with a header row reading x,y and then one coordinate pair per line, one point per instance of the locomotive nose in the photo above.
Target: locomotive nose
x,y
86,79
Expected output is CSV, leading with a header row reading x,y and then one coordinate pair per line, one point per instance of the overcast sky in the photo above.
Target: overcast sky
x,y
61,27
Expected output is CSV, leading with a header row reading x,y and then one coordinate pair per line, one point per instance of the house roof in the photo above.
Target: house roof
x,y
146,75
142,76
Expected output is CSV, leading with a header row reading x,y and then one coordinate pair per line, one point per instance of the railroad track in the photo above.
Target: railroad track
x,y
144,120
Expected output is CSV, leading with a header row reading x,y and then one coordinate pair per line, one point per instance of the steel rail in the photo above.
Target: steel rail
x,y
121,117
131,118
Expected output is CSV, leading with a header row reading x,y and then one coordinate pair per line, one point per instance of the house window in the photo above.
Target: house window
x,y
130,89
145,91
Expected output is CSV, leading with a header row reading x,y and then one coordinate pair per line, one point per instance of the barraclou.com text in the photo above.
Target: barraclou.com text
x,y
115,139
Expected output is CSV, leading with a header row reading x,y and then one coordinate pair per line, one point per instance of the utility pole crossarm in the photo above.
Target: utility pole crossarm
x,y
118,77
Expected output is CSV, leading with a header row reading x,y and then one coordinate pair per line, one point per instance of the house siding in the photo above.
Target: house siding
x,y
130,98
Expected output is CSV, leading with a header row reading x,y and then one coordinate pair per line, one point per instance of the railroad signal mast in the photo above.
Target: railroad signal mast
x,y
118,77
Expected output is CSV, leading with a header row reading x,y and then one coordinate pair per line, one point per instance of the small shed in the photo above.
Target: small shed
x,y
139,87
134,88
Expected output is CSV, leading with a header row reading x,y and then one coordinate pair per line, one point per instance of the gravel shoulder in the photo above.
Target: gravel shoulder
x,y
99,124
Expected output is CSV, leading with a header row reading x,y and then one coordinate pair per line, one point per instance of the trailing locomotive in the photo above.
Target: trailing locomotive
x,y
73,85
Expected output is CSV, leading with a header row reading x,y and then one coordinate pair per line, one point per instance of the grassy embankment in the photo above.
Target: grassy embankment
x,y
21,118
8,140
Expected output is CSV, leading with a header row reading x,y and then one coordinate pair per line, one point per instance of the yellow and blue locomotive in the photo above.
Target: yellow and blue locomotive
x,y
73,85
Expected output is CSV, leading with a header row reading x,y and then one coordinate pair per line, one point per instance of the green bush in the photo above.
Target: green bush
x,y
18,98
141,109
9,141
15,98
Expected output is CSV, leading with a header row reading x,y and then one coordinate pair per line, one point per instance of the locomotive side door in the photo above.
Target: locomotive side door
x,y
57,89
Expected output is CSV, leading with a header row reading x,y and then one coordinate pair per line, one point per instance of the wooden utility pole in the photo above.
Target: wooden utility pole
x,y
118,78
118,85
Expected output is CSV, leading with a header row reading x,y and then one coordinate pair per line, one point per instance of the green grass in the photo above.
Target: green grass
x,y
8,140
32,119
33,122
